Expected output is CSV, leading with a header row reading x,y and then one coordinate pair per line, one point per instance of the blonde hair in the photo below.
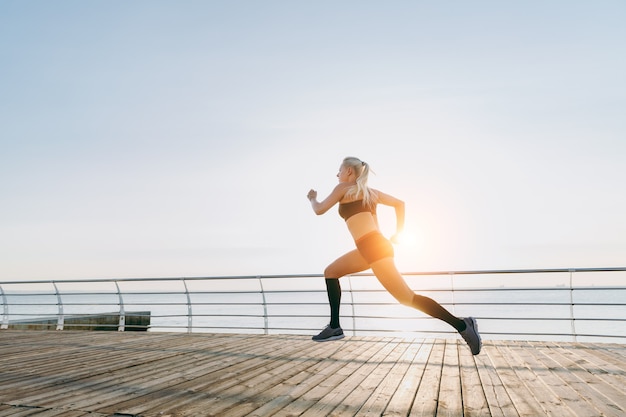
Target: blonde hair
x,y
360,189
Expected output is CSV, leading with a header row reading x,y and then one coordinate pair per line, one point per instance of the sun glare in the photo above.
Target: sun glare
x,y
407,238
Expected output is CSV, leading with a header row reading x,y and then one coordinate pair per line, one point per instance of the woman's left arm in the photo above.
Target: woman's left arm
x,y
398,206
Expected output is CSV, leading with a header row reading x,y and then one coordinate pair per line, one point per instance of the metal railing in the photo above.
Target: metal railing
x,y
587,304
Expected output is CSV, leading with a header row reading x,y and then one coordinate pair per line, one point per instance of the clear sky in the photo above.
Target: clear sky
x,y
180,138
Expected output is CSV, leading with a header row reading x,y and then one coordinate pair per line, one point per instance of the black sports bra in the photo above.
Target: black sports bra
x,y
347,210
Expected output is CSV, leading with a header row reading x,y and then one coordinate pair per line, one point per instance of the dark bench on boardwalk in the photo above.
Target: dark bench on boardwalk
x,y
132,321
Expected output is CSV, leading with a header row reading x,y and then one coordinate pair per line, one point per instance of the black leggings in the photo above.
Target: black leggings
x,y
334,299
434,309
419,302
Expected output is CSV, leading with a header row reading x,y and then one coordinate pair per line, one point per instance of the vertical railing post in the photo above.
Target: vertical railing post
x,y
352,305
451,274
265,315
571,305
5,310
122,323
61,317
189,311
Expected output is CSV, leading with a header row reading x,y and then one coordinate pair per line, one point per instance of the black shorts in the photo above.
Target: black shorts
x,y
374,247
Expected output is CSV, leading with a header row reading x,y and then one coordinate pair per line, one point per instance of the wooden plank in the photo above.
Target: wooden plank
x,y
353,374
379,400
18,412
473,393
62,371
609,377
15,351
322,393
615,353
610,366
524,402
427,396
8,411
254,388
611,397
222,367
228,386
450,402
496,395
555,362
611,353
370,391
402,400
225,395
18,370
526,367
305,389
110,381
70,359
42,412
59,394
552,383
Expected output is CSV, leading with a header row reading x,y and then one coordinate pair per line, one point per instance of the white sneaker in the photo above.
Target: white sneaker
x,y
471,336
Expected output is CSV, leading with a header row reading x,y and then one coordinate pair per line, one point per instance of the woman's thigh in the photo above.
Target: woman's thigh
x,y
388,275
350,263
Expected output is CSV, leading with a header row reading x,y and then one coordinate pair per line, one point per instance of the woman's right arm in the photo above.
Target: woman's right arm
x,y
398,206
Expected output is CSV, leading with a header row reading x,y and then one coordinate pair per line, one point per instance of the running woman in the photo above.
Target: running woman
x,y
357,206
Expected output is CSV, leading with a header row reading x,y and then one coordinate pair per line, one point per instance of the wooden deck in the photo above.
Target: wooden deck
x,y
69,374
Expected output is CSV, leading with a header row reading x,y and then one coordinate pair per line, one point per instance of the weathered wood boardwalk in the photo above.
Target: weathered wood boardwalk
x,y
70,374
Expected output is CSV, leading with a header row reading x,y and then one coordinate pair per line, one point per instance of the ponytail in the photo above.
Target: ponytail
x,y
360,189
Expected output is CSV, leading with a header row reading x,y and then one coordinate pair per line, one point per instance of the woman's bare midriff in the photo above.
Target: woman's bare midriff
x,y
361,224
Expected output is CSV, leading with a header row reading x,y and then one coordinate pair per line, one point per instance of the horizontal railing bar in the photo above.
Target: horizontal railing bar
x,y
44,316
139,304
70,292
546,304
551,319
256,277
363,303
487,289
479,304
422,331
482,318
553,334
482,333
211,278
22,293
519,271
209,326
313,291
364,291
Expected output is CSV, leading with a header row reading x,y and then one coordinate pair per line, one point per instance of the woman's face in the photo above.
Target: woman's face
x,y
344,174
